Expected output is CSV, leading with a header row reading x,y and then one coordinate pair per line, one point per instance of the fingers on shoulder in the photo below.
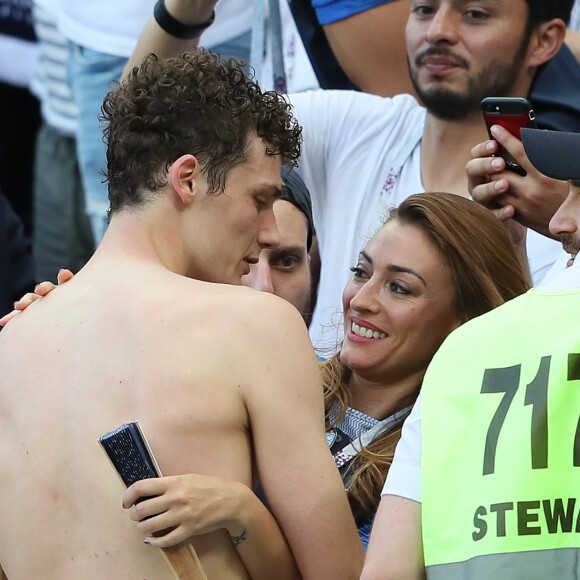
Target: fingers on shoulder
x,y
8,317
26,301
44,288
64,275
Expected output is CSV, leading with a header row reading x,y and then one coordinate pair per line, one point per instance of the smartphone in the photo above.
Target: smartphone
x,y
512,113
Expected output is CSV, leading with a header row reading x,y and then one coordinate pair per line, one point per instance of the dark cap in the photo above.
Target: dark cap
x,y
295,191
553,153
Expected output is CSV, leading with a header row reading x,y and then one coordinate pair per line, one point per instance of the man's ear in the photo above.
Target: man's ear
x,y
186,178
546,41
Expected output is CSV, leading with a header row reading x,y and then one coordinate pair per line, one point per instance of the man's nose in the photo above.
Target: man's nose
x,y
269,236
443,26
260,276
565,221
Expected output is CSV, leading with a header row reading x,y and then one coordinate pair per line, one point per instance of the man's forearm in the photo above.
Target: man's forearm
x,y
395,550
154,39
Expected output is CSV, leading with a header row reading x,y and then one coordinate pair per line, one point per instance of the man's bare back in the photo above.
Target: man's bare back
x,y
110,347
222,378
110,352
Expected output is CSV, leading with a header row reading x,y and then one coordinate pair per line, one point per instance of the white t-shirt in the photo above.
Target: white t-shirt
x,y
113,26
300,75
362,156
404,477
50,81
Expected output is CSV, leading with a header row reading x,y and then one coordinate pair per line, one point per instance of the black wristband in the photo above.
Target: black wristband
x,y
176,28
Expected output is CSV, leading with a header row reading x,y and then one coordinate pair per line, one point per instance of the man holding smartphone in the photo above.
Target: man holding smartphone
x,y
506,384
531,199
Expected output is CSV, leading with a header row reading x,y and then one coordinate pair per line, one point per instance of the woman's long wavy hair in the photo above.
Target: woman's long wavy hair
x,y
486,272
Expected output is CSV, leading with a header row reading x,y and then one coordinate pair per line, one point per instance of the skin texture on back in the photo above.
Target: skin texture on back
x,y
195,395
223,380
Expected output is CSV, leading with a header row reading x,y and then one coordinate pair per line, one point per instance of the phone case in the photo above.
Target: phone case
x,y
130,453
513,114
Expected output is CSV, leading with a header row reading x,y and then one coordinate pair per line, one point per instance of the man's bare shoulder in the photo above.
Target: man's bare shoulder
x,y
272,320
249,302
242,307
172,305
261,335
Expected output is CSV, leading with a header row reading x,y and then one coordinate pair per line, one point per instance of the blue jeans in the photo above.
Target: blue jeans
x,y
238,47
91,74
62,232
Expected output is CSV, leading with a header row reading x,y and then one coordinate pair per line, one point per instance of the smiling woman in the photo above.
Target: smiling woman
x,y
438,261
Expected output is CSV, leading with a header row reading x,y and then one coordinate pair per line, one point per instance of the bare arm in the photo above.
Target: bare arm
x,y
155,39
371,50
198,504
283,397
395,549
296,470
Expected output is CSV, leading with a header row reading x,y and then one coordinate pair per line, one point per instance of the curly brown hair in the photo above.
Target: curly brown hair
x,y
486,272
193,103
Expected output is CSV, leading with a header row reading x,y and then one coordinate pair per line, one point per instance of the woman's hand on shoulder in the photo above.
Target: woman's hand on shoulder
x,y
40,290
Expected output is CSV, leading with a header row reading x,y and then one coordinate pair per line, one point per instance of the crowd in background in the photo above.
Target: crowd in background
x,y
363,157
52,158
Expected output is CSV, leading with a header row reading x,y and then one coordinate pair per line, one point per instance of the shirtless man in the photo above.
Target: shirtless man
x,y
222,378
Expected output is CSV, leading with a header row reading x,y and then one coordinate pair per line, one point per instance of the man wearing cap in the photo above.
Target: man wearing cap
x,y
284,270
491,492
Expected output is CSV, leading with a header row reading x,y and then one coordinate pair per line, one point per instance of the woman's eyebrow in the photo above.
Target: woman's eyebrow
x,y
394,267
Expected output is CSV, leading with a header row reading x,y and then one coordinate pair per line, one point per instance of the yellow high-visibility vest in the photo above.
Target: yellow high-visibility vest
x,y
500,418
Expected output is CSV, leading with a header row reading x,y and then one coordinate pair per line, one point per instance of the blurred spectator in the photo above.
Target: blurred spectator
x,y
16,265
19,113
62,232
362,46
